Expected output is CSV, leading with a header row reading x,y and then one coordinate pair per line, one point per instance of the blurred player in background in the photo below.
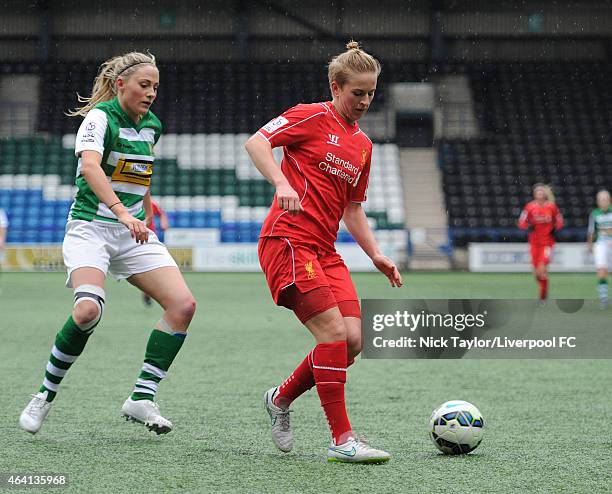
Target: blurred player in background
x,y
542,217
3,227
599,239
163,226
323,178
106,232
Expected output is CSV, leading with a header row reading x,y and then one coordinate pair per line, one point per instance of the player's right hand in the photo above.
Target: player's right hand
x,y
137,228
288,199
387,267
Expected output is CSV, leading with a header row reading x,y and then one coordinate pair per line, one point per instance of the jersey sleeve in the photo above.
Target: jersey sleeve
x,y
292,127
360,190
3,219
90,136
523,221
591,227
558,219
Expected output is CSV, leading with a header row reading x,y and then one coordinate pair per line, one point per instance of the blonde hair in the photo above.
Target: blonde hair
x,y
550,195
104,87
353,61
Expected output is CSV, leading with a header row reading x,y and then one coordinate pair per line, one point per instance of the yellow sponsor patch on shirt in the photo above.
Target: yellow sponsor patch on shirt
x,y
133,171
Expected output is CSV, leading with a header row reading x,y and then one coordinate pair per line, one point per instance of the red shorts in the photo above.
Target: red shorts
x,y
293,268
540,254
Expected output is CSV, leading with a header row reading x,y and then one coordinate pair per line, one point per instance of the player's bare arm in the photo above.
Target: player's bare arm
x,y
357,224
260,151
590,242
148,207
164,222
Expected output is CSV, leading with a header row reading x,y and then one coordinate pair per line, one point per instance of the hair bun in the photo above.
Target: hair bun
x,y
352,45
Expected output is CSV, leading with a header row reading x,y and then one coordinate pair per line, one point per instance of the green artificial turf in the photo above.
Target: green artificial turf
x,y
546,419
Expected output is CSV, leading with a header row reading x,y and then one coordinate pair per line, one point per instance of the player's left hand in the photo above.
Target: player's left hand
x,y
387,267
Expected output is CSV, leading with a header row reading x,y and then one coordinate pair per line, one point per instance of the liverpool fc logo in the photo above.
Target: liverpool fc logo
x,y
310,270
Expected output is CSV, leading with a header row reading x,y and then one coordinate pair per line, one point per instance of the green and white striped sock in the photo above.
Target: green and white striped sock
x,y
161,350
602,289
69,344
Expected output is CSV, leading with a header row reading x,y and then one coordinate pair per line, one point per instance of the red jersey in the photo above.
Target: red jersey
x,y
543,219
156,212
327,162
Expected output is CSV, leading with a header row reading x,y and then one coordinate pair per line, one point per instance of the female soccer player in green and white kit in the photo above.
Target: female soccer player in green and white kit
x,y
600,232
106,231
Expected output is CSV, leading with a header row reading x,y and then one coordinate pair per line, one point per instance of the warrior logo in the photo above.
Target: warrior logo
x,y
333,139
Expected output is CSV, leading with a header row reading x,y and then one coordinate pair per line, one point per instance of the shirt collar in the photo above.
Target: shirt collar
x,y
349,128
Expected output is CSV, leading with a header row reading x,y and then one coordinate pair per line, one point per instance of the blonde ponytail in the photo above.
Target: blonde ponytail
x,y
353,61
104,87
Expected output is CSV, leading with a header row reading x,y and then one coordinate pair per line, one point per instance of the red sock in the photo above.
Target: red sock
x,y
300,381
543,282
329,369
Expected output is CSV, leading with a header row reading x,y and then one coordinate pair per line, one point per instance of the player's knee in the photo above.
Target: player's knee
x,y
85,313
88,307
185,308
336,330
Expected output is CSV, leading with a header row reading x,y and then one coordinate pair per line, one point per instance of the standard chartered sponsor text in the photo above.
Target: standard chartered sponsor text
x,y
328,166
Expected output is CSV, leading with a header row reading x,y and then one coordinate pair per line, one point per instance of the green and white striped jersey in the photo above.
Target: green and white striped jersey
x,y
600,224
127,159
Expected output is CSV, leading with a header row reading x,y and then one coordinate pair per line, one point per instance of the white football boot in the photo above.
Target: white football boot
x,y
146,412
282,436
356,451
33,415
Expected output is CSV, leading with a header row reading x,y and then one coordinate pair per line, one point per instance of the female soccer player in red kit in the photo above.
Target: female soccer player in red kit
x,y
322,179
543,217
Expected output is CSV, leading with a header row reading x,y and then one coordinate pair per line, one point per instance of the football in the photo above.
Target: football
x,y
456,427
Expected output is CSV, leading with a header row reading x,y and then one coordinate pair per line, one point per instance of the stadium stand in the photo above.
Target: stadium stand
x,y
540,122
203,180
207,97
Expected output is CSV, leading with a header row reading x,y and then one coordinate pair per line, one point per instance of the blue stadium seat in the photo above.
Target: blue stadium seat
x,y
58,235
19,198
213,219
198,219
229,232
16,221
182,219
30,236
345,237
14,235
47,236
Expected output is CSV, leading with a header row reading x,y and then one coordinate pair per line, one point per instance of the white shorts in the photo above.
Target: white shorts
x,y
602,251
110,247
